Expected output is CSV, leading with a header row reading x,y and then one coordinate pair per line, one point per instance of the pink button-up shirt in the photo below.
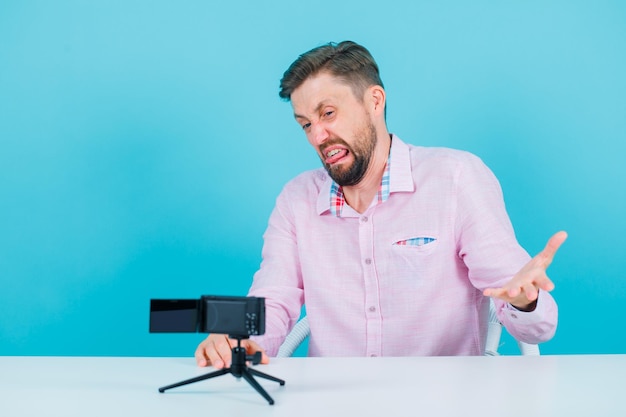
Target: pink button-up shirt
x,y
367,292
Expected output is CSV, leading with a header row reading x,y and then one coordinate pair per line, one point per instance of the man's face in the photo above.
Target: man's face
x,y
337,125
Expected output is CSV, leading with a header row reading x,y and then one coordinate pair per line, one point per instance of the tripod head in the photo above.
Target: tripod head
x,y
238,351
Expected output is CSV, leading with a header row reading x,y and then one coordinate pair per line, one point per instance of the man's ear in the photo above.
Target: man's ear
x,y
377,97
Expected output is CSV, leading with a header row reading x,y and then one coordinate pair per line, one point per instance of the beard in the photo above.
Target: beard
x,y
362,152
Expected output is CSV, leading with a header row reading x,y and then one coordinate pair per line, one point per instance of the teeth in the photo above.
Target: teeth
x,y
332,153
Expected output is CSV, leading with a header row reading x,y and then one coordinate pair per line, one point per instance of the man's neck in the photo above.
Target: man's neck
x,y
360,196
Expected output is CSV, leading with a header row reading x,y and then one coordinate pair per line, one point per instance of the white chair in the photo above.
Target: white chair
x,y
494,332
297,335
301,331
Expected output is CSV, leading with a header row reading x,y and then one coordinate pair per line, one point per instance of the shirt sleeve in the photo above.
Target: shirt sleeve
x,y
487,244
279,278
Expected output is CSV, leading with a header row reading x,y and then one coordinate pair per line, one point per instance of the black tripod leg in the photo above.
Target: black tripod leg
x,y
266,376
196,379
245,373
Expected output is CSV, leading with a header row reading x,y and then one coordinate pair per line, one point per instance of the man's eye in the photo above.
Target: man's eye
x,y
306,126
329,113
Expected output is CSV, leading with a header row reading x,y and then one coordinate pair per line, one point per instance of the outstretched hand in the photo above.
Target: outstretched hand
x,y
523,289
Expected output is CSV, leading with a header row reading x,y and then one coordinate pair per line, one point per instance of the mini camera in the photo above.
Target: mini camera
x,y
236,316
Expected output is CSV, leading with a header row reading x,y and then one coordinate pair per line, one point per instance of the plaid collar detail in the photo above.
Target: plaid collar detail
x,y
337,199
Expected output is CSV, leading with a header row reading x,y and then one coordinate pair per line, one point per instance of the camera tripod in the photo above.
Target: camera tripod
x,y
238,369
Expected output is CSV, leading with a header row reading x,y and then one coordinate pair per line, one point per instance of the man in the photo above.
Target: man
x,y
395,248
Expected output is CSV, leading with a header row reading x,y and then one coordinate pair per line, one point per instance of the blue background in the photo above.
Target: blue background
x,y
143,144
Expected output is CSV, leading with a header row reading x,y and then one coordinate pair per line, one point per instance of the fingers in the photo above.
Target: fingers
x,y
554,243
201,358
252,347
519,292
506,293
214,350
492,292
544,283
511,293
530,292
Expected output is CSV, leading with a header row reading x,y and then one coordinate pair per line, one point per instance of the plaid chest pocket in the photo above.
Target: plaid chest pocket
x,y
415,241
425,243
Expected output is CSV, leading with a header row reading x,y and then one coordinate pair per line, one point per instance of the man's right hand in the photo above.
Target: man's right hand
x,y
216,350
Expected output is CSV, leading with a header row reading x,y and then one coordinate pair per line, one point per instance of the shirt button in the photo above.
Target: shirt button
x,y
368,261
372,309
513,315
364,219
373,355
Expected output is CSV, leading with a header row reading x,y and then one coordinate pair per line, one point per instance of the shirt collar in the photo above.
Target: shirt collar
x,y
397,178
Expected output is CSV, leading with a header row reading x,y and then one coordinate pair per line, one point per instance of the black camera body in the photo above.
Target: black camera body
x,y
236,316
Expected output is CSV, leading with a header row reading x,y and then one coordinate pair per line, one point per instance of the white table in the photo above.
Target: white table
x,y
586,385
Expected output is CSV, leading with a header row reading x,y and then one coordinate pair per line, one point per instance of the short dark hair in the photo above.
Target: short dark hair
x,y
346,60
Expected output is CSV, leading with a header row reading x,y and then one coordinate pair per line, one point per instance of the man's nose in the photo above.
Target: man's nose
x,y
319,134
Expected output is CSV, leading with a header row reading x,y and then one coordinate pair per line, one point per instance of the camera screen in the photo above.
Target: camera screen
x,y
173,316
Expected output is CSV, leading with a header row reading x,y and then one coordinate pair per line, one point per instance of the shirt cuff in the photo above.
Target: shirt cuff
x,y
526,317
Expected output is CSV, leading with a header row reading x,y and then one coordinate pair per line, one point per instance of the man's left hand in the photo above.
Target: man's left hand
x,y
523,289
